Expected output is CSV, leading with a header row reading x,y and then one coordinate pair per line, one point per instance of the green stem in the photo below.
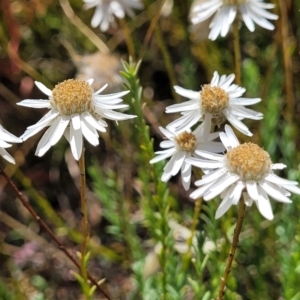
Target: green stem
x,y
237,52
84,223
187,257
237,231
128,38
165,53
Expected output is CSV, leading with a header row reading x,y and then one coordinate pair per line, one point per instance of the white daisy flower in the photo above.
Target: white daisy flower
x,y
6,138
225,11
246,169
219,100
183,145
75,111
108,10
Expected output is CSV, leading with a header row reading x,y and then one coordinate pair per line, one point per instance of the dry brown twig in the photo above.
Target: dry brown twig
x,y
49,231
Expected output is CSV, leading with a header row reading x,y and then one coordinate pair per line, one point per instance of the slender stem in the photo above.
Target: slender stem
x,y
165,54
48,230
237,51
149,32
237,231
197,210
128,38
84,220
73,18
287,59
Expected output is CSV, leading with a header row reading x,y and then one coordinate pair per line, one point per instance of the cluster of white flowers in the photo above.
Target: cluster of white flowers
x,y
222,12
76,111
245,170
245,167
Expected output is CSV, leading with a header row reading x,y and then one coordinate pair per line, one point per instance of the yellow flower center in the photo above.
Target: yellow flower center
x,y
214,99
186,141
249,161
72,96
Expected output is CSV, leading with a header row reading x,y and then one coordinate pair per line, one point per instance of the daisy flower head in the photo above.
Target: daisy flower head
x,y
219,101
107,10
6,138
224,13
245,169
75,110
183,145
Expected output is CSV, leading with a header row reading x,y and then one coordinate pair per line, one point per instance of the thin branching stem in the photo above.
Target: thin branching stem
x,y
128,38
237,231
60,246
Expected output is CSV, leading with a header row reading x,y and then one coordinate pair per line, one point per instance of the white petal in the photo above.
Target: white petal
x,y
264,205
3,144
8,137
167,133
205,164
201,191
224,206
91,120
244,101
101,89
252,189
76,141
45,142
187,93
278,166
237,193
45,120
76,122
210,177
60,129
238,124
43,88
90,81
114,115
186,173
227,81
243,112
215,79
186,121
109,97
35,103
274,192
166,144
248,201
292,188
7,156
162,156
179,157
278,180
90,134
210,155
219,187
